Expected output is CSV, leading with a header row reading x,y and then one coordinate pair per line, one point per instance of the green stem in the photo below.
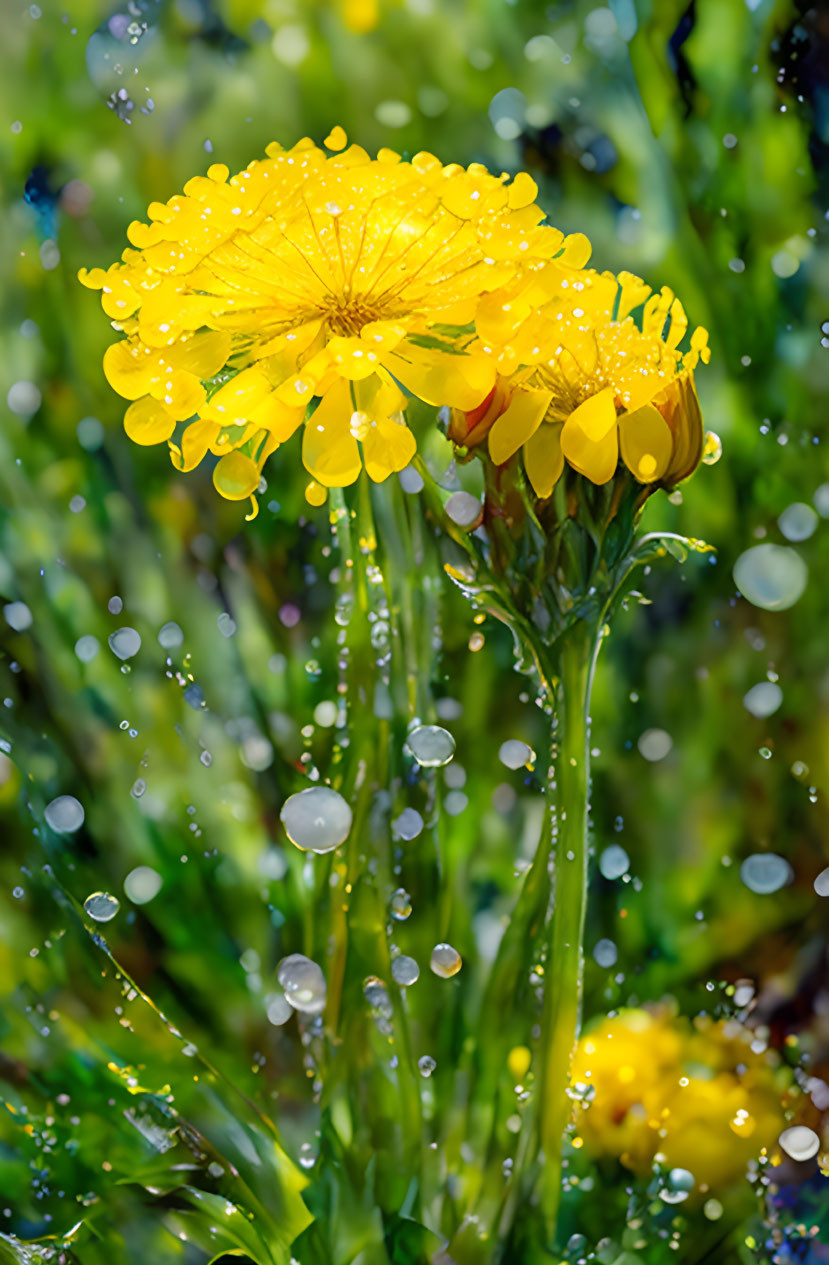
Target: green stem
x,y
561,1012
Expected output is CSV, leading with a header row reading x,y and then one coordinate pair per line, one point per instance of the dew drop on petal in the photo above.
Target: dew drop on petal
x,y
426,1064
798,521
765,872
101,906
124,643
317,819
763,699
304,983
65,814
142,884
614,862
405,971
515,754
771,577
445,961
431,746
799,1142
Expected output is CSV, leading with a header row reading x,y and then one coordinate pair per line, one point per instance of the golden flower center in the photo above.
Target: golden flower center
x,y
348,316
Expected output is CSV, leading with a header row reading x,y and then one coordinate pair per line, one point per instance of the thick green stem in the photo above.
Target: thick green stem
x,y
563,978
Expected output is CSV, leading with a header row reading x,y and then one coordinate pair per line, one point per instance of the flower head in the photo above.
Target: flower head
x,y
698,1095
316,288
582,381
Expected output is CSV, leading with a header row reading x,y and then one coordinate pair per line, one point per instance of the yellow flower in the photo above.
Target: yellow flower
x,y
582,381
697,1096
317,288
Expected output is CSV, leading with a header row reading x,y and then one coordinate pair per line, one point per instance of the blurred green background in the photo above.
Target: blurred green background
x,y
689,142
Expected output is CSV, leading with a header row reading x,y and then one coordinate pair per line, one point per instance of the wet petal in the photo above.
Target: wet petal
x,y
521,419
329,450
589,438
646,443
543,458
388,446
148,422
236,477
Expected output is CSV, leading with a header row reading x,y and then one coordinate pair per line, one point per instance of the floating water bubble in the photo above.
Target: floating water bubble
x,y
18,616
325,714
713,1209
798,521
307,1155
445,961
194,696
576,1244
65,814
279,1010
614,862
87,647
317,819
426,1064
464,509
142,884
90,433
765,872
18,893
408,825
170,636
431,746
799,1142
257,753
763,699
654,744
772,577
215,1169
822,883
605,953
304,983
405,971
226,624
400,905
124,643
377,995
101,906
410,480
821,500
115,605
515,754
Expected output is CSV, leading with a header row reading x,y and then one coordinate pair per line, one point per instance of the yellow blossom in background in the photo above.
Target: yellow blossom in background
x,y
582,380
698,1096
313,288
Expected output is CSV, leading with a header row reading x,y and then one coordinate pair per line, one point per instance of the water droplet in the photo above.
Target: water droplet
x,y
799,1142
605,953
138,788
170,636
101,906
279,1010
798,521
307,1157
431,746
18,616
515,754
614,862
822,883
765,872
87,647
712,448
304,983
65,814
410,480
772,577
654,744
317,819
464,509
405,971
821,500
215,1169
679,1185
18,893
226,624
142,884
576,1244
408,825
401,905
426,1064
713,1209
445,961
763,699
124,643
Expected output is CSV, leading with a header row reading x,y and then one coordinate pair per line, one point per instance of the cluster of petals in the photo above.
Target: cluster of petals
x,y
589,368
315,290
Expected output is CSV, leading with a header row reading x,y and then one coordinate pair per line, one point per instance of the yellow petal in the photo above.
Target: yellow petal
x,y
336,138
277,418
204,354
589,438
646,443
129,368
329,450
148,422
118,299
439,378
522,191
315,494
521,419
388,446
352,358
181,392
233,403
543,459
236,476
383,335
195,441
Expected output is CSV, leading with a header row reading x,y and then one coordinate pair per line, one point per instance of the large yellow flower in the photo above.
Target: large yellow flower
x,y
582,381
317,288
698,1096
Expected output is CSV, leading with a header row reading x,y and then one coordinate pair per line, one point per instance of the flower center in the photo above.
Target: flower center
x,y
347,317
